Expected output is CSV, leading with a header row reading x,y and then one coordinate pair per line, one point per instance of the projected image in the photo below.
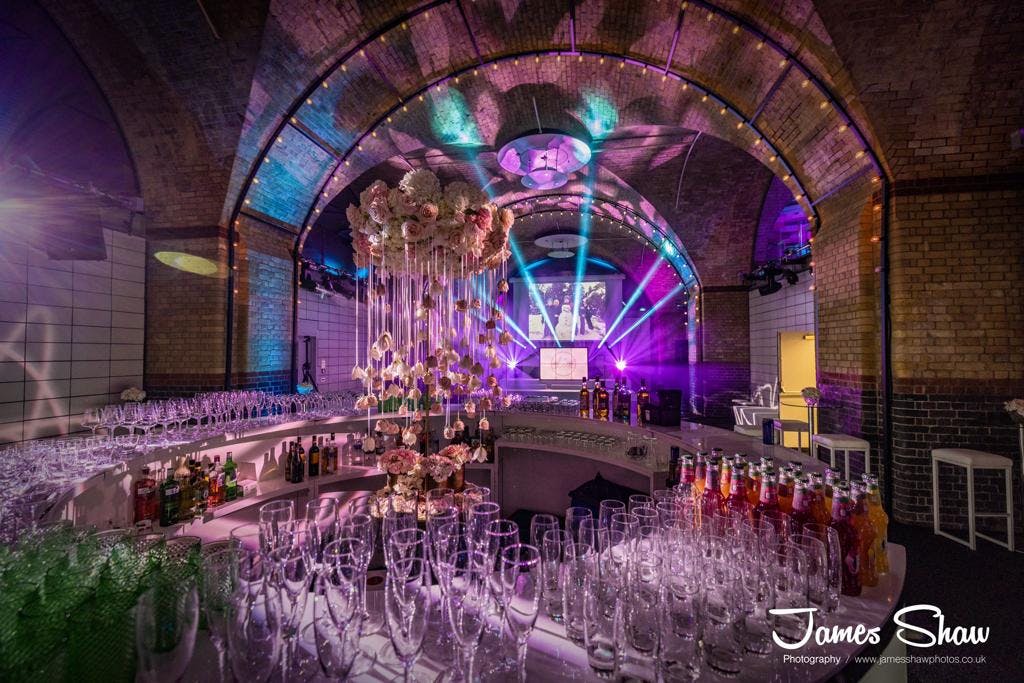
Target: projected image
x,y
563,364
557,298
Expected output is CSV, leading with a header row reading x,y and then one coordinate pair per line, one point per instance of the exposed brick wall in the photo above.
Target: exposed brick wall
x,y
262,305
723,370
958,260
185,322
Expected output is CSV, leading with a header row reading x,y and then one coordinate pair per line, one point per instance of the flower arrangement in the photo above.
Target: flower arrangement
x,y
398,460
457,453
1015,408
811,395
134,395
421,221
440,467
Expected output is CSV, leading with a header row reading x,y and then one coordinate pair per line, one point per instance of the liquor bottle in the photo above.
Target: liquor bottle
x,y
602,402
289,458
185,502
335,464
625,403
584,399
299,466
201,490
216,494
768,500
593,397
700,473
146,498
643,400
880,521
673,467
786,489
686,476
230,488
712,503
727,475
867,569
314,459
737,501
613,402
170,493
803,502
842,511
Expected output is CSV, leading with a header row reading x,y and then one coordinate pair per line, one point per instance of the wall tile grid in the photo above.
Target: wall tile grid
x,y
72,334
331,321
791,309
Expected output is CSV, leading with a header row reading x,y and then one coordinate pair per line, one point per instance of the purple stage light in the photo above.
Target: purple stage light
x,y
620,364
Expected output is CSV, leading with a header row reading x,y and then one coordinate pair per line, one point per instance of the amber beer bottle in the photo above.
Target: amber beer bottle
x,y
769,499
711,502
803,501
880,522
737,501
867,568
584,399
842,513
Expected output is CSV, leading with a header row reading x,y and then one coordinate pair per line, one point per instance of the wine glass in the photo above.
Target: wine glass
x,y
166,618
574,516
290,577
254,642
540,525
467,606
217,590
522,587
406,601
335,607
276,518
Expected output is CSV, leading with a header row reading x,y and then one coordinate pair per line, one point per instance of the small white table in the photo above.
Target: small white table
x,y
973,460
843,443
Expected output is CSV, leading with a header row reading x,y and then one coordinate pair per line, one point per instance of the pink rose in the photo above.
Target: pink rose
x,y
413,231
428,212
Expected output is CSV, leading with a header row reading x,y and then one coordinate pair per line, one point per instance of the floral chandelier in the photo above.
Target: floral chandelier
x,y
433,324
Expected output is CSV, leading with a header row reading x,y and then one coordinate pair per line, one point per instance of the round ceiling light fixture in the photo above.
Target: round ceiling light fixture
x,y
561,243
545,160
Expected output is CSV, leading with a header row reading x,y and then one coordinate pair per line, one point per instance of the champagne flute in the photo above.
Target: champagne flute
x,y
467,606
406,601
522,587
166,619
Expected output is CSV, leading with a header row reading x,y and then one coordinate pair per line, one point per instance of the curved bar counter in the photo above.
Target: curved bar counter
x,y
531,471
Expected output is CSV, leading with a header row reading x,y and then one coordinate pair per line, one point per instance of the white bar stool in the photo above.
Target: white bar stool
x,y
973,460
780,427
843,443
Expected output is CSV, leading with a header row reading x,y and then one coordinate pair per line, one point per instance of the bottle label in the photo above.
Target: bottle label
x,y
172,491
144,491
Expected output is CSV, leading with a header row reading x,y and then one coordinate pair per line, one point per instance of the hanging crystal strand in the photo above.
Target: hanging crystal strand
x,y
369,335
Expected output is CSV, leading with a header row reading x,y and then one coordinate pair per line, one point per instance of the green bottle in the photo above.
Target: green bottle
x,y
170,493
230,479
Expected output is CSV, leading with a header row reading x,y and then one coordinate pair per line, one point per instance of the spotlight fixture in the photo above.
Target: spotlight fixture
x,y
620,364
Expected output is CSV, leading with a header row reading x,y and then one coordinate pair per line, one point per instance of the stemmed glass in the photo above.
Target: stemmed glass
x,y
574,516
254,642
320,528
291,578
406,601
217,590
552,553
540,525
522,587
276,518
467,606
166,619
480,515
335,607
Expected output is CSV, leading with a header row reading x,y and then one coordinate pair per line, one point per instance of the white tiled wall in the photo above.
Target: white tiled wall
x,y
790,309
71,334
332,321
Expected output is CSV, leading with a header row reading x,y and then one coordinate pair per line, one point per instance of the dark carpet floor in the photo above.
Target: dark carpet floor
x,y
984,588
